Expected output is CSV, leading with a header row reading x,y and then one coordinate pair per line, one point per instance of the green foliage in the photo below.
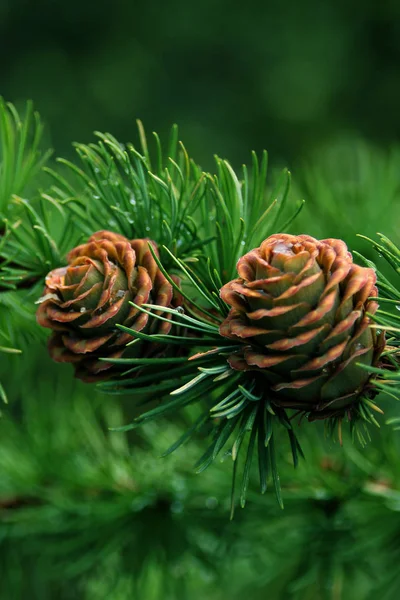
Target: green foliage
x,y
351,187
21,157
387,317
243,212
96,503
44,226
117,187
89,513
87,510
203,223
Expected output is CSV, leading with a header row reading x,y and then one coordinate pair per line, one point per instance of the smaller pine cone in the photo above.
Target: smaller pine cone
x,y
299,307
83,302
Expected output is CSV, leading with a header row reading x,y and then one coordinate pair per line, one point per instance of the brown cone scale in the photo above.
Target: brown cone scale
x,y
83,302
300,308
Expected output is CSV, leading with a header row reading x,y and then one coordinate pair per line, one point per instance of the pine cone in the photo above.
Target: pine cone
x,y
300,308
84,301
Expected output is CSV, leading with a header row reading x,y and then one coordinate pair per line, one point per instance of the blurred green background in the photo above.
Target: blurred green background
x,y
99,516
236,76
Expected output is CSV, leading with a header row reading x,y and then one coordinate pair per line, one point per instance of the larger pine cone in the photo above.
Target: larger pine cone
x,y
300,308
83,302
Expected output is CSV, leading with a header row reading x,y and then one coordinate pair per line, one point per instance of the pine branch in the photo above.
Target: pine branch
x,y
115,187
